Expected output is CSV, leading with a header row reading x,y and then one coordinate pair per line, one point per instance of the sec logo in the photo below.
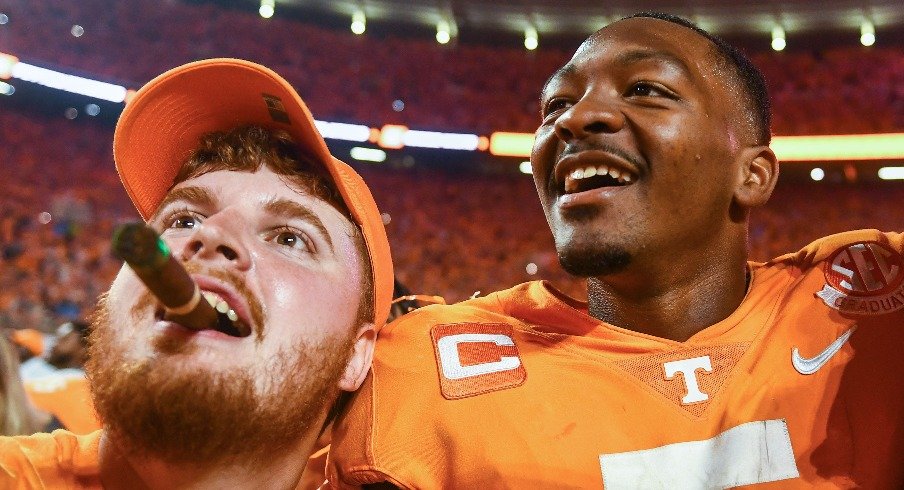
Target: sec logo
x,y
865,269
864,278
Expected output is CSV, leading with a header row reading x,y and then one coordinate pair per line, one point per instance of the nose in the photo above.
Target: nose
x,y
592,114
216,239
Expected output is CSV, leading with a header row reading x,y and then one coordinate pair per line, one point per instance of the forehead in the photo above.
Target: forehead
x,y
646,39
251,189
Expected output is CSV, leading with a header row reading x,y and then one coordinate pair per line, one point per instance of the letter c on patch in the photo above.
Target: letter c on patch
x,y
447,348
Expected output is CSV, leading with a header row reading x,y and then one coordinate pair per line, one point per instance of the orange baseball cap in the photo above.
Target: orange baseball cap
x,y
29,338
164,121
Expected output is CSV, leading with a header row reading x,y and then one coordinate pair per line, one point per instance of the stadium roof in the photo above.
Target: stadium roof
x,y
580,17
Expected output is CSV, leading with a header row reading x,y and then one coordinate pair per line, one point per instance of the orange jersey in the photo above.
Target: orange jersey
x,y
58,460
801,387
68,398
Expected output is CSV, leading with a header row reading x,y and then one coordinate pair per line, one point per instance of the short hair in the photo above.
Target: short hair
x,y
246,148
751,79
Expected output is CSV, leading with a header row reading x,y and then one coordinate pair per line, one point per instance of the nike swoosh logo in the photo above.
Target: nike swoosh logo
x,y
810,365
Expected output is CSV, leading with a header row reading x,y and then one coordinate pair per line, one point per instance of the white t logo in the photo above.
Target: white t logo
x,y
451,362
688,369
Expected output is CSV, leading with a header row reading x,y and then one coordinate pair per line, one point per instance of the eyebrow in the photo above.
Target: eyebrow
x,y
292,210
191,194
637,55
626,58
565,71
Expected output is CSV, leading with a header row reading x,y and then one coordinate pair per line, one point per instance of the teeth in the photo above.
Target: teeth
x,y
571,183
220,305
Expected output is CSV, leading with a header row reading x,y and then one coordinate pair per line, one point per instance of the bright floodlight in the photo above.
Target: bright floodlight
x,y
443,34
891,173
368,154
867,33
817,174
525,168
69,83
359,22
778,38
268,7
7,89
530,38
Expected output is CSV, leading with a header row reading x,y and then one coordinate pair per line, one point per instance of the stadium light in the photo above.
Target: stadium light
x,y
7,89
778,38
847,147
268,7
69,83
343,131
531,40
525,167
511,144
443,33
887,146
867,33
444,141
368,154
359,22
817,174
891,173
392,136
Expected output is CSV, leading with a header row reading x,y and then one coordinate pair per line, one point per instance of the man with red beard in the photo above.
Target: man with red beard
x,y
222,159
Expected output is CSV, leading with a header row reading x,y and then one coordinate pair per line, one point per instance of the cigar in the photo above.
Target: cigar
x,y
153,262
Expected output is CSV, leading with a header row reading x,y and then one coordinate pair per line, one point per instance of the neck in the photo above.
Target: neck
x,y
675,299
126,470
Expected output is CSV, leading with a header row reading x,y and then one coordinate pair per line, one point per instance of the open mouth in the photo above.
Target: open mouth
x,y
227,320
595,177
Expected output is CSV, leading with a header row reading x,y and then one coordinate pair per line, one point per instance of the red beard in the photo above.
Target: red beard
x,y
156,407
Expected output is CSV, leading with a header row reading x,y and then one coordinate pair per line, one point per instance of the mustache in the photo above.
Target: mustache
x,y
573,148
256,309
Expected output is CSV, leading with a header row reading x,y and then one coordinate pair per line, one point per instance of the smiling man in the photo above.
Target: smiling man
x,y
223,160
689,367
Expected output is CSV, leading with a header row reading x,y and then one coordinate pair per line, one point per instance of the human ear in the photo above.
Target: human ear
x,y
757,175
360,359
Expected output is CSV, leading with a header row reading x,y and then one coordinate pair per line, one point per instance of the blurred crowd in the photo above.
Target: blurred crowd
x,y
453,234
471,88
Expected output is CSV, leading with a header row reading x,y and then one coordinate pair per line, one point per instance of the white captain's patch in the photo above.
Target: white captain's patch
x,y
755,452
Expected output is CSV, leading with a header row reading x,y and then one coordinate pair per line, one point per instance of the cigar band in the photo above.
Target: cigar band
x,y
189,306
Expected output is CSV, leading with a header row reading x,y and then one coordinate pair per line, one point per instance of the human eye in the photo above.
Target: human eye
x,y
181,219
649,89
292,239
554,106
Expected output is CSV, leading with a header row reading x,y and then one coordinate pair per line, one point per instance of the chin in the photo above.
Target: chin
x,y
593,260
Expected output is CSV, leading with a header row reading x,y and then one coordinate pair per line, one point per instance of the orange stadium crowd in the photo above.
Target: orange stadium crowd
x,y
452,233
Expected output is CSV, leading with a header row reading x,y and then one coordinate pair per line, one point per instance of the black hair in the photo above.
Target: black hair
x,y
751,79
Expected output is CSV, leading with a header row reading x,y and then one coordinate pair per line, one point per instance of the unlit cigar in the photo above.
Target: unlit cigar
x,y
149,256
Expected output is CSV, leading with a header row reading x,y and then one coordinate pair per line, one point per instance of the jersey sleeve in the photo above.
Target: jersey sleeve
x,y
57,460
